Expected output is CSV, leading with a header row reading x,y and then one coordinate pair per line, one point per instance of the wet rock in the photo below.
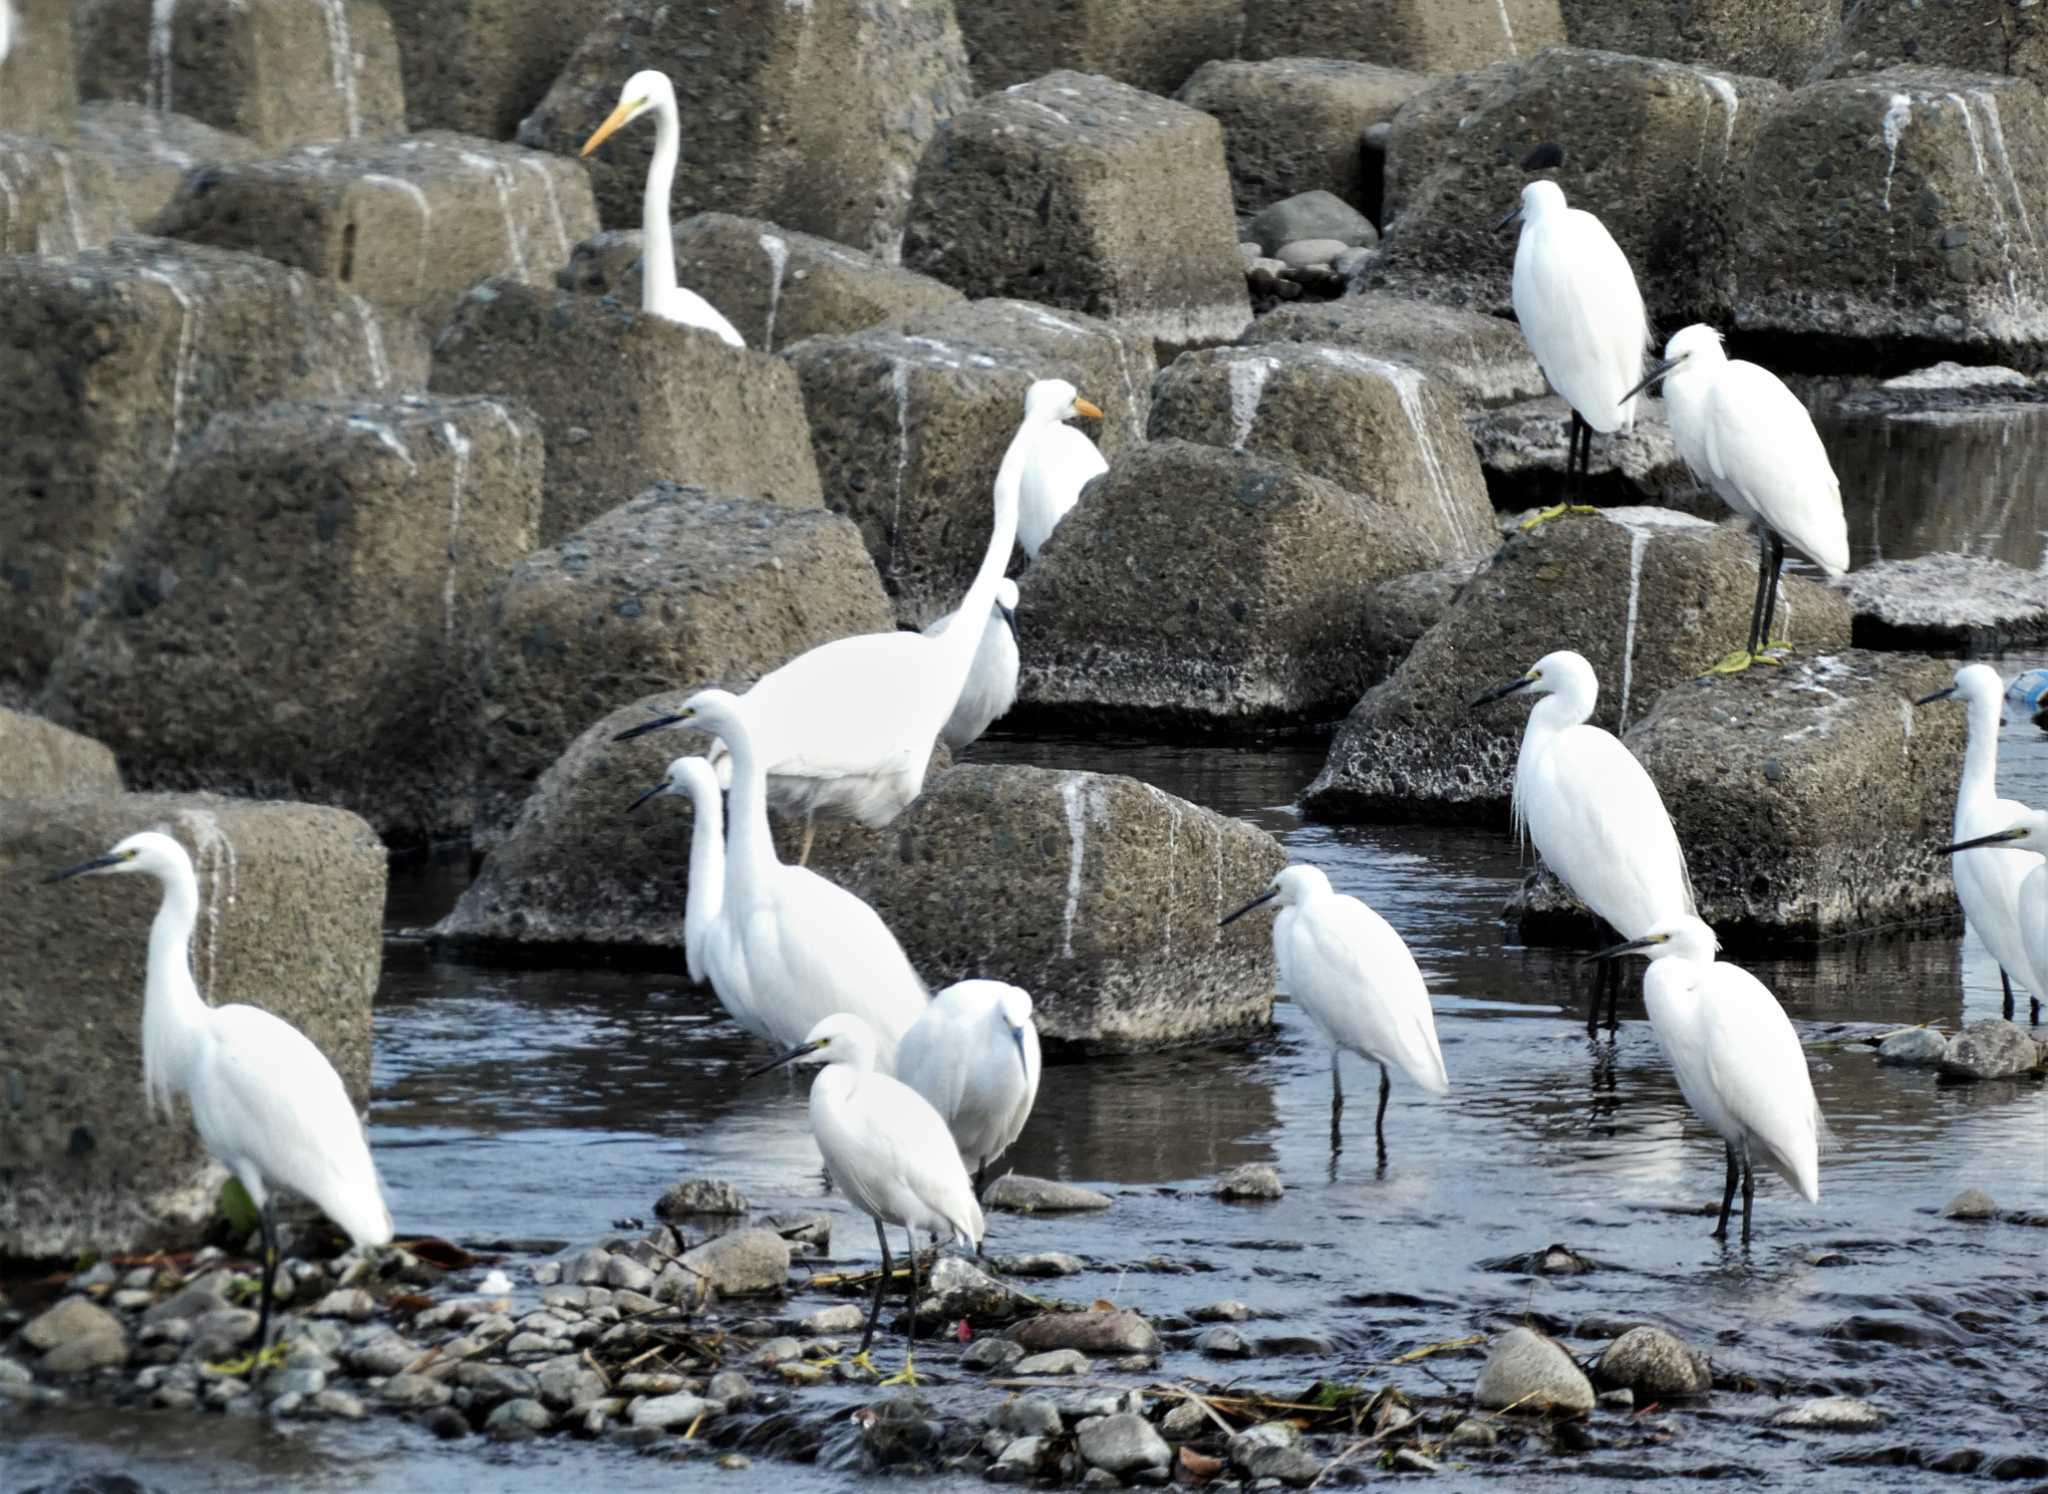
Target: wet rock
x,y
1098,1331
1483,359
282,75
39,758
1309,215
90,1168
1781,39
779,125
1293,124
1123,1444
1222,1342
1522,451
1229,1310
1056,1362
1154,48
352,1303
802,1226
240,591
414,1392
1833,1413
516,1420
146,153
1404,608
956,1288
1473,1433
1654,1363
1029,1415
76,1335
1971,1203
1989,1048
1014,871
627,1274
1530,1372
342,1404
409,223
221,1332
1877,35
745,1263
991,1355
145,341
1413,747
1185,1420
667,1412
1250,1180
1273,1450
909,421
568,1387
775,285
1023,1459
1040,1263
1947,603
1918,1047
38,82
701,1196
844,1317
1125,171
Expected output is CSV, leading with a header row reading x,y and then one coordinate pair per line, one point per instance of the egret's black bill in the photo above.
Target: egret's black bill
x,y
1512,218
646,796
1996,838
1023,1058
790,1057
1502,692
1937,695
645,727
96,864
1657,371
1009,618
1265,897
1616,951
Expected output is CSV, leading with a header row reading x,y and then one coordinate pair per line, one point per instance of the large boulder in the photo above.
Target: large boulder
x,y
776,286
58,199
812,115
1650,597
236,644
679,587
284,73
1297,124
109,362
1656,149
1099,895
38,80
1927,231
1780,39
1812,801
626,399
1977,36
1523,449
40,759
291,904
1197,586
147,152
1485,359
480,68
1947,603
1152,46
1424,36
408,223
910,421
1083,193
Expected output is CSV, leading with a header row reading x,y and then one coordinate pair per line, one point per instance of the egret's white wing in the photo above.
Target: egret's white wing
x,y
1580,310
1355,976
2034,924
1760,442
933,1055
678,304
1062,462
1988,883
1600,824
852,707
891,1152
1758,1068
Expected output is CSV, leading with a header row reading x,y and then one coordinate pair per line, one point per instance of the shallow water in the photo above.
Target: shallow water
x,y
549,1103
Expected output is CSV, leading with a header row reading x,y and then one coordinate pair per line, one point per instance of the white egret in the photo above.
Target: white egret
x,y
1062,461
789,948
1580,310
659,294
1988,882
974,1055
2027,834
846,729
1737,1060
1749,439
1345,966
991,687
268,1104
889,1152
1594,815
704,897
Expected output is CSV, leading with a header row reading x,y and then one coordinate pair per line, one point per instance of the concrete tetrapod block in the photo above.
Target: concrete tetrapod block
x,y
1153,47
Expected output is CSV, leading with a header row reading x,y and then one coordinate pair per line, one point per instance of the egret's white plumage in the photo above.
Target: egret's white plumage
x,y
1345,966
1737,1060
659,294
704,898
789,948
974,1055
268,1105
2027,834
991,687
1061,462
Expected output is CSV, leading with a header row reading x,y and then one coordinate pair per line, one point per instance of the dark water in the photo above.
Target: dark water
x,y
551,1102
1976,484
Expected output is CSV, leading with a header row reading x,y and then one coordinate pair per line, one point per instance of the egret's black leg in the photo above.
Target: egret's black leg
x,y
1748,1194
1578,460
1379,1123
910,1237
1771,597
269,1274
881,1286
1727,1198
981,1185
2006,981
1763,583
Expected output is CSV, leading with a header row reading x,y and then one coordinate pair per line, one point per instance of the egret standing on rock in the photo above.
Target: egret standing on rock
x,y
1988,881
889,1152
704,898
659,294
1749,439
991,687
1345,966
846,729
1577,301
1061,462
2029,833
1595,816
1737,1060
974,1055
268,1104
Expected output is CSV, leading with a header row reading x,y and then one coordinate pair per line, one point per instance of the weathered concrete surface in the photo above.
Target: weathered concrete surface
x,y
1424,36
1780,39
59,198
1522,449
1977,36
1484,358
147,152
1650,597
481,67
1948,603
1153,46
38,79
40,759
291,903
239,646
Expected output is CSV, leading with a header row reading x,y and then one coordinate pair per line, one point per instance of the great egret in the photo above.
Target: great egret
x,y
1749,439
1345,966
974,1055
268,1104
1580,310
845,730
991,687
1737,1060
889,1152
1988,882
693,778
1594,815
788,947
2027,834
1061,463
659,294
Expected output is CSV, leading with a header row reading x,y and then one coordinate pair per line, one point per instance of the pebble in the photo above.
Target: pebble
x,y
1039,1263
1122,1444
802,1226
588,1268
303,1383
1250,1180
547,1273
1525,1370
225,1390
1097,1331
1020,1460
624,1273
339,1403
72,1318
1185,1420
1472,1432
517,1420
1919,1047
1033,1415
575,1298
701,1196
1971,1203
745,1263
1654,1364
1013,1193
1618,1400
352,1303
991,1354
1304,252
1991,1048
414,1392
12,1373
190,1301
1226,1311
776,1350
1408,1460
383,1354
1273,1450
652,1382
1058,1362
667,1411
1250,252
843,1318
1223,1342
222,1332
1353,262
568,1386
1832,1413
446,1422
488,1384
730,1389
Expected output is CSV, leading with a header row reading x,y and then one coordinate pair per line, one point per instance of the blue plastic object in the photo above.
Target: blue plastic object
x,y
2028,692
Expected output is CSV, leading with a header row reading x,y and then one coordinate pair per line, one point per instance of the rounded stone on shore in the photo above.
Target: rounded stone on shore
x,y
1273,1450
1652,1362
1030,1416
701,1196
1832,1413
1250,1181
1013,1193
1991,1048
1916,1047
1971,1203
1122,1444
1526,1371
1056,1362
1222,1342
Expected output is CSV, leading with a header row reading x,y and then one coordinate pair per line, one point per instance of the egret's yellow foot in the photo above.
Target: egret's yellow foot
x,y
861,1361
907,1375
243,1364
1557,511
1733,663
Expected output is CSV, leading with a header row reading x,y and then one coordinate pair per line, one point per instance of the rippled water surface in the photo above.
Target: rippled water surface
x,y
549,1102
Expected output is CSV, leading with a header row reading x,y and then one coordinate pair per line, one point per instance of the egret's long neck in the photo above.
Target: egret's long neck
x,y
1980,756
173,1016
750,857
959,644
707,863
1553,714
657,248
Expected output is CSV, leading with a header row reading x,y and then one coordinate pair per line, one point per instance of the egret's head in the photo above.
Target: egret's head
x,y
1689,350
644,91
1538,198
692,777
1290,886
1563,670
2028,833
1681,938
839,1038
1055,399
149,851
715,711
1006,603
1974,683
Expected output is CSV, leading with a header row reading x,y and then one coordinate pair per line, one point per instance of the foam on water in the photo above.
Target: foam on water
x,y
777,250
1248,378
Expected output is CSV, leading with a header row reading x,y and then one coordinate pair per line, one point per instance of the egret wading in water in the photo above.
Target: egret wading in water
x,y
789,948
1591,810
1345,966
890,1154
846,729
1988,881
1576,299
2029,833
974,1055
1061,462
659,294
1749,439
268,1104
991,687
694,779
1736,1058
